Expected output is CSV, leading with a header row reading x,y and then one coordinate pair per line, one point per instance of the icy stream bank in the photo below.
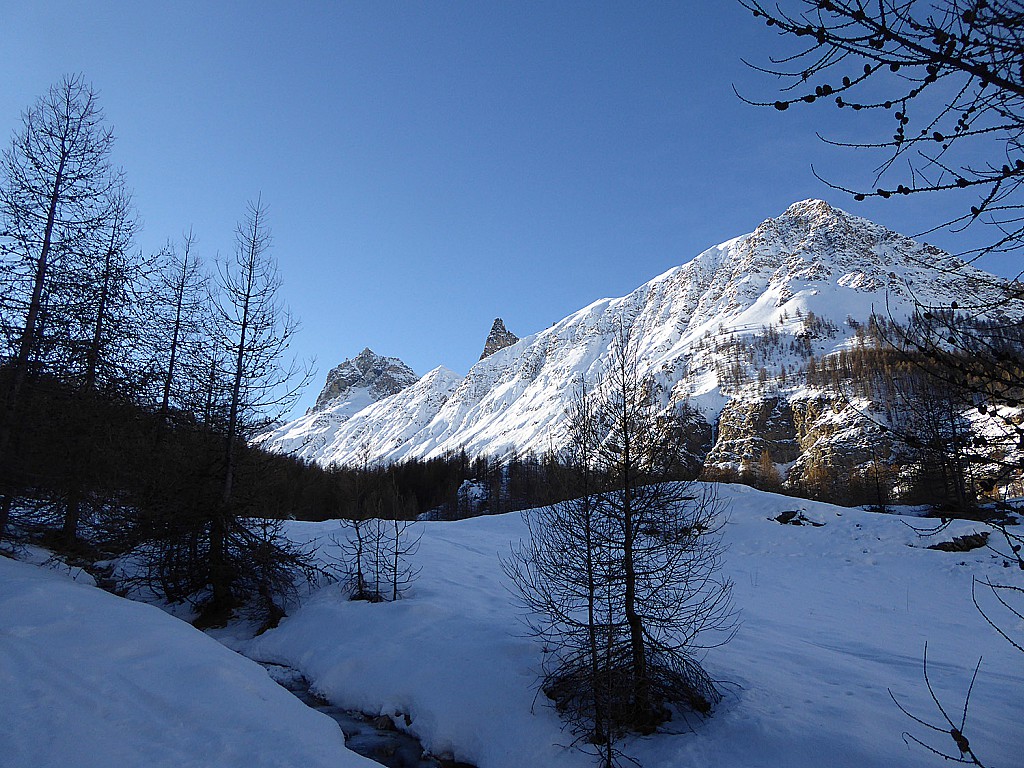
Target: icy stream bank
x,y
374,737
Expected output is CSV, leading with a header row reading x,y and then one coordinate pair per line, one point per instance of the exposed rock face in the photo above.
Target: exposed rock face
x,y
748,428
818,443
378,376
499,338
840,449
693,438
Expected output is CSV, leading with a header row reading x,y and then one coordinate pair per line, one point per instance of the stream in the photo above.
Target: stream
x,y
374,737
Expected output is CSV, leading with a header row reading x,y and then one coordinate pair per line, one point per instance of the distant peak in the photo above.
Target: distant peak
x,y
380,376
499,338
811,208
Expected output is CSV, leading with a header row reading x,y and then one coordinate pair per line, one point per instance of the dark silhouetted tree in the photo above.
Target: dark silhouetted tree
x,y
255,383
622,581
179,297
949,75
59,195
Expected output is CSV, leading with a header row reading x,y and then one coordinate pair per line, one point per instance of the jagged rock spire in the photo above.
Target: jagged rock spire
x,y
499,338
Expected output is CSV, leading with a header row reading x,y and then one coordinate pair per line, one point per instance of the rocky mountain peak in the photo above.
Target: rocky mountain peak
x,y
815,226
810,209
813,245
499,338
378,376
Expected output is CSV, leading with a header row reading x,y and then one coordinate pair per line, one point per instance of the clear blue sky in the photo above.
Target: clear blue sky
x,y
430,166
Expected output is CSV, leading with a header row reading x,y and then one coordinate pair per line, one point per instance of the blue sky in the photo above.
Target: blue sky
x,y
430,166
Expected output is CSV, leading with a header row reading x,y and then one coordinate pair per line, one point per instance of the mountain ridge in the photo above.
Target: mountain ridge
x,y
806,279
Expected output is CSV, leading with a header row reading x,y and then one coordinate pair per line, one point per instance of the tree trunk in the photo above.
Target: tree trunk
x,y
72,517
180,289
638,651
220,574
5,513
27,342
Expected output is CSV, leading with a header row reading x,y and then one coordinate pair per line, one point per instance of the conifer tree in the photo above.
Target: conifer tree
x,y
254,331
622,579
59,194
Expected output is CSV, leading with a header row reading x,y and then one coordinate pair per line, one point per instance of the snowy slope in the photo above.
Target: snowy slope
x,y
812,260
88,680
392,425
832,618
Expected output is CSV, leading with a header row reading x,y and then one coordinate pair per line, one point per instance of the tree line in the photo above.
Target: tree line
x,y
132,384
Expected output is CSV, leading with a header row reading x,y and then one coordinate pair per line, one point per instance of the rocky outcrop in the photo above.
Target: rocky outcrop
x,y
841,449
377,376
748,428
818,444
693,438
499,338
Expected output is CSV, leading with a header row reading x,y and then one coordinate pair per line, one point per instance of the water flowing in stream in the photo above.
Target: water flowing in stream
x,y
377,738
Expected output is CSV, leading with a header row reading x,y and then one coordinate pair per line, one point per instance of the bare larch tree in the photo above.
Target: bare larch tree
x,y
58,190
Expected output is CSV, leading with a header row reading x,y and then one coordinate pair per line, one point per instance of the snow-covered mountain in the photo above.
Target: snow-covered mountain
x,y
364,379
351,387
717,332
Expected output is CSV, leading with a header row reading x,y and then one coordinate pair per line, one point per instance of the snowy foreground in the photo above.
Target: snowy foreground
x,y
89,679
833,616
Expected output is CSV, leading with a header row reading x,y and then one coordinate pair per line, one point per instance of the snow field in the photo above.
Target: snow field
x,y
832,617
88,679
